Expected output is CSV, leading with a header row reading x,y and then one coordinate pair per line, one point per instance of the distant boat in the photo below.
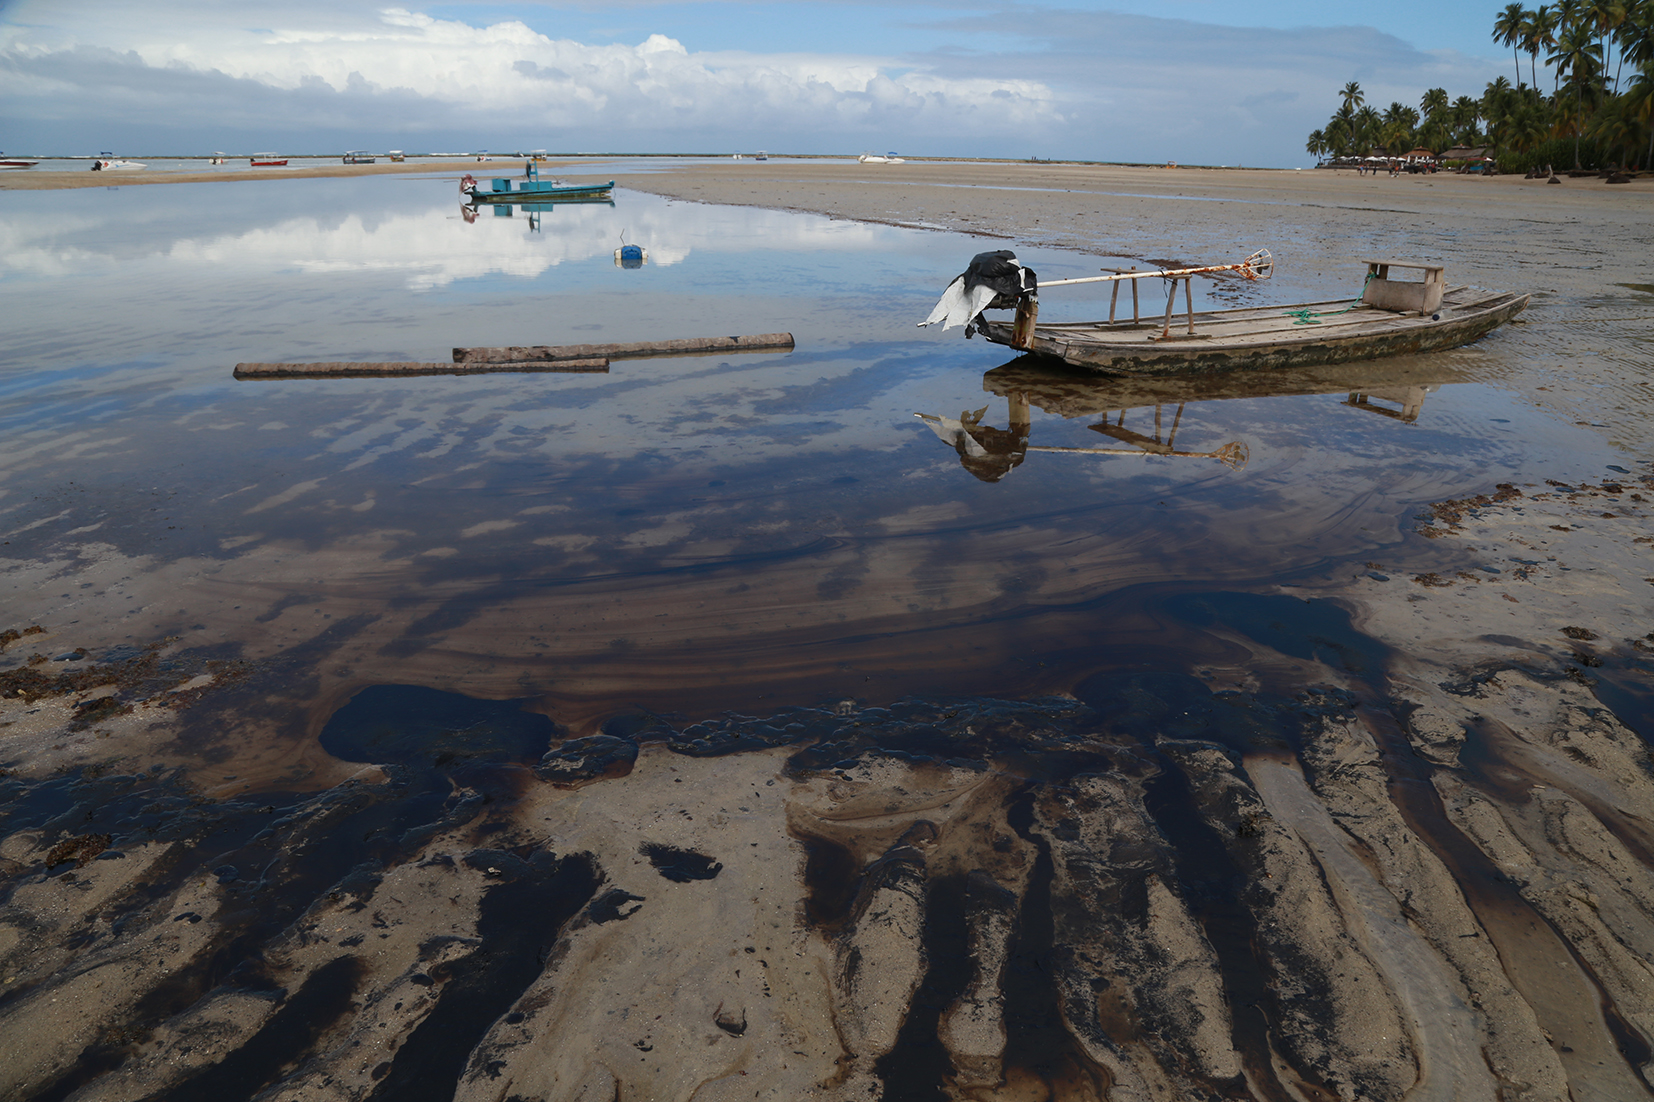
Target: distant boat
x,y
267,160
880,159
358,157
397,156
116,165
762,156
219,159
7,163
531,190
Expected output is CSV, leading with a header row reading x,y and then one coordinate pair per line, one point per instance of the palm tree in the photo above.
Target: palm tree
x,y
1606,16
1637,34
1568,12
1317,145
1613,129
1527,126
1369,127
1639,105
1339,137
1581,56
1434,104
1507,31
1466,114
1352,95
1539,33
1495,108
1396,133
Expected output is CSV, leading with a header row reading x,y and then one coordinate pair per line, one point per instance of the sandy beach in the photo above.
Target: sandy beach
x,y
1375,820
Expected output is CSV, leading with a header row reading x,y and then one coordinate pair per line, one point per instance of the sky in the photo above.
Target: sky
x,y
1192,81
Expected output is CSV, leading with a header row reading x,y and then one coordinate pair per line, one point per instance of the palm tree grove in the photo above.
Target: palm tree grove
x,y
1599,114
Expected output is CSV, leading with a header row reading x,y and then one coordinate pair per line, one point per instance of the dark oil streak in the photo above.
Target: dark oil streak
x,y
520,922
361,828
1036,1036
285,1039
1487,890
830,873
914,1070
1210,886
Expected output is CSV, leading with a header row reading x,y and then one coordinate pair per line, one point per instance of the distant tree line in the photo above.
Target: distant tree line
x,y
1599,112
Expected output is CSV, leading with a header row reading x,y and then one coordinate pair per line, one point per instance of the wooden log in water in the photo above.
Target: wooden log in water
x,y
343,370
692,346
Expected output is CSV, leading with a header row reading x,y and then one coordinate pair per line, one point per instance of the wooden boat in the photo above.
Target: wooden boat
x,y
1391,318
358,157
267,160
532,190
397,156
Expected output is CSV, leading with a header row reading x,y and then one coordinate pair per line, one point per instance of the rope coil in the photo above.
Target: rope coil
x,y
1307,316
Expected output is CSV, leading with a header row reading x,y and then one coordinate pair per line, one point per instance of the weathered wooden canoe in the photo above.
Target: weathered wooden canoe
x,y
1266,337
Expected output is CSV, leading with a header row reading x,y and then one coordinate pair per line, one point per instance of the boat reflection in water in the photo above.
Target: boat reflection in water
x,y
1395,391
468,211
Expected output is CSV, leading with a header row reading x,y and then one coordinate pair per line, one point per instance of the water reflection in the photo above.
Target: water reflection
x,y
535,211
1394,389
686,532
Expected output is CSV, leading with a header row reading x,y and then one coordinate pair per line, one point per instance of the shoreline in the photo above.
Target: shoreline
x,y
980,172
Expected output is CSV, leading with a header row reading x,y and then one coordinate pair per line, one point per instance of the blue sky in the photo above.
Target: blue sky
x,y
1195,81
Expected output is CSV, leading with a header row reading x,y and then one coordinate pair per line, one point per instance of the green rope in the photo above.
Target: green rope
x,y
1307,316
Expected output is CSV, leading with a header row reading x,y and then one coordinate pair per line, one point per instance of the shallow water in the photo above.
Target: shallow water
x,y
774,524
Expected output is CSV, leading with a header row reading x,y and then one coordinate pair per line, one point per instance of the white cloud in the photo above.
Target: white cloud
x,y
404,71
195,75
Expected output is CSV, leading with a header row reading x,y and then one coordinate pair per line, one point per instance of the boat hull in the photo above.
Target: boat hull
x,y
566,194
1266,338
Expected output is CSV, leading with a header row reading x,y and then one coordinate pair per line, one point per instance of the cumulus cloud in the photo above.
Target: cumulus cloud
x,y
191,75
403,71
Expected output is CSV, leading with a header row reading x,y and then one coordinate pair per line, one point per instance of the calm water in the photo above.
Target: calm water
x,y
695,533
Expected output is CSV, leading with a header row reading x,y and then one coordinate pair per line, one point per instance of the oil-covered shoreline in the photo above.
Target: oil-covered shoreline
x,y
400,762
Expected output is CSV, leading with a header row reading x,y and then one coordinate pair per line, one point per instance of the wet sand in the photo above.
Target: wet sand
x,y
1379,829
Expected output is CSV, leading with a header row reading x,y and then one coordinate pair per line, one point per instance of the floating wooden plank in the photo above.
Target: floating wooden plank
x,y
345,370
692,346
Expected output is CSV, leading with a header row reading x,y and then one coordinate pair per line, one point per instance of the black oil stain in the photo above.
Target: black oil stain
x,y
287,1037
416,726
680,865
914,1070
520,922
830,874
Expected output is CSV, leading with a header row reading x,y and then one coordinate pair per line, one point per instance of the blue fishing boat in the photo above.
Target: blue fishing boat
x,y
530,189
